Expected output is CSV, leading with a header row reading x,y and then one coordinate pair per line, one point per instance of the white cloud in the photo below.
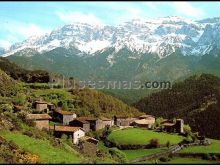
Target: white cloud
x,y
70,17
185,8
18,31
4,43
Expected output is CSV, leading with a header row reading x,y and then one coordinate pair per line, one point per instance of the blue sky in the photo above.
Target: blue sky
x,y
20,20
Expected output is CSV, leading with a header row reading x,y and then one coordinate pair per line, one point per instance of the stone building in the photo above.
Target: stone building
x,y
144,121
63,116
40,106
107,121
123,121
75,133
91,123
170,126
41,120
80,123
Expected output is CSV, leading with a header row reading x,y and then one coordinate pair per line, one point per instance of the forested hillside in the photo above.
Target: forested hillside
x,y
18,73
196,100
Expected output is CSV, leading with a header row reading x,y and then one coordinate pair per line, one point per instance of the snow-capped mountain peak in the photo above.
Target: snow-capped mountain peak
x,y
162,36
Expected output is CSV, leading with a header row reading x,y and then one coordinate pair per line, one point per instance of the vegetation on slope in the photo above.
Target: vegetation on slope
x,y
196,100
7,85
86,102
18,73
46,152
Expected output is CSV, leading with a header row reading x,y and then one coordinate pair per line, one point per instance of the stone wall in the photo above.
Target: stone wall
x,y
67,119
41,107
40,124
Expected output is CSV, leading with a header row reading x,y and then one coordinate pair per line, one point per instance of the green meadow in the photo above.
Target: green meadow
x,y
213,148
142,137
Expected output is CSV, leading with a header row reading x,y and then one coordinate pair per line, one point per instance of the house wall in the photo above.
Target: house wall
x,y
76,123
78,134
179,125
41,107
124,122
86,127
40,124
68,118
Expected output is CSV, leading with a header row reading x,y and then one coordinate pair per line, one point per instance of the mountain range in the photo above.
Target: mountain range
x,y
167,48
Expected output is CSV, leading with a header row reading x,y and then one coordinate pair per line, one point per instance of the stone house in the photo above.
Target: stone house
x,y
91,123
144,121
107,121
123,121
170,126
75,133
40,106
85,125
63,116
41,120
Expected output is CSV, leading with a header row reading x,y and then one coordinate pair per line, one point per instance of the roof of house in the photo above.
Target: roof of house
x,y
62,128
105,119
38,116
40,102
64,112
80,120
86,138
168,124
18,107
146,116
87,118
145,121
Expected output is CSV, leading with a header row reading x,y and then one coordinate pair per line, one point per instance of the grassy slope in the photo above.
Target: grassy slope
x,y
141,136
213,148
42,148
191,161
133,154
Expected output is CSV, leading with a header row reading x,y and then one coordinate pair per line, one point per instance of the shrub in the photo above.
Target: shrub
x,y
164,159
6,107
20,99
154,143
168,144
118,155
187,129
207,157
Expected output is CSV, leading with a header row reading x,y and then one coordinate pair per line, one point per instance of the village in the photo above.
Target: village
x,y
60,122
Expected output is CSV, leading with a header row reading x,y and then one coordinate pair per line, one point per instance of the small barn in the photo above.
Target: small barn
x,y
63,116
41,120
80,123
40,106
72,132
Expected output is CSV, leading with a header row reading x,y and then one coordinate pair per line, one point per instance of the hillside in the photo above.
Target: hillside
x,y
7,85
196,100
18,73
82,101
